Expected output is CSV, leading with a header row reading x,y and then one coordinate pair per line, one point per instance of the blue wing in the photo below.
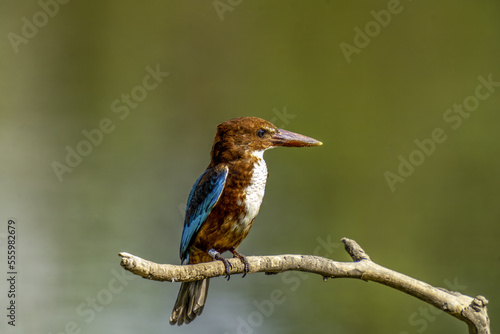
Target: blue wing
x,y
204,195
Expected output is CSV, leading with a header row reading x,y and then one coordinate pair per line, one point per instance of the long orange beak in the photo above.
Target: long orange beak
x,y
292,139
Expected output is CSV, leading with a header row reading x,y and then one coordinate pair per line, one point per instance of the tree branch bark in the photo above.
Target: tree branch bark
x,y
471,310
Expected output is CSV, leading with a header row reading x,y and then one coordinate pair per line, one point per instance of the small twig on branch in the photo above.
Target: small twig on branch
x,y
472,311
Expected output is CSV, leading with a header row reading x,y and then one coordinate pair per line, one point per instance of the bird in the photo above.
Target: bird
x,y
225,200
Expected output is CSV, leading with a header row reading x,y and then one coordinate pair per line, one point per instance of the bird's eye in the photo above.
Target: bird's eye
x,y
261,133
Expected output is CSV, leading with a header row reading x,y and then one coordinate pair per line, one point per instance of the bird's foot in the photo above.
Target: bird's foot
x,y
216,256
242,259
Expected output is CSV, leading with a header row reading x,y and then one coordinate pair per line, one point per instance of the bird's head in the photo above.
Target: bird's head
x,y
239,137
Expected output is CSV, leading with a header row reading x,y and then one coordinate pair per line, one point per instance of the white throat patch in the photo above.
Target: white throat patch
x,y
254,191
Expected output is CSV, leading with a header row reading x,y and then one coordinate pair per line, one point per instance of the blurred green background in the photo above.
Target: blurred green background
x,y
279,60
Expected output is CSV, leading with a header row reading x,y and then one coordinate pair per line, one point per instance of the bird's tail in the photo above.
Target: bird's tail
x,y
190,302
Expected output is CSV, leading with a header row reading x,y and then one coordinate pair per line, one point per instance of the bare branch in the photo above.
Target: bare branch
x,y
471,310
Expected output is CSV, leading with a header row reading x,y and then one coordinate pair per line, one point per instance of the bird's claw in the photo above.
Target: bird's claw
x,y
246,264
216,256
227,265
243,259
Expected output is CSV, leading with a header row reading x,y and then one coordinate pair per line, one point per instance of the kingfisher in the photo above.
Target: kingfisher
x,y
225,200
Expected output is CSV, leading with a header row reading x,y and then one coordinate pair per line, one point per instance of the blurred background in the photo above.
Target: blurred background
x,y
108,112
